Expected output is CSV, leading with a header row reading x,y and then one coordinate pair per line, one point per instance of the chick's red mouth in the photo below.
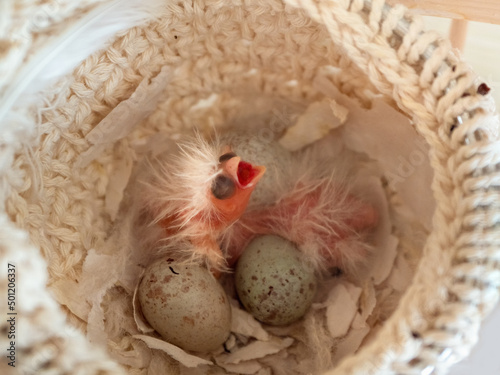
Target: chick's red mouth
x,y
246,173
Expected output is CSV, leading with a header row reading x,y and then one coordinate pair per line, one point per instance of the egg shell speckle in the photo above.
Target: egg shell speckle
x,y
185,305
274,282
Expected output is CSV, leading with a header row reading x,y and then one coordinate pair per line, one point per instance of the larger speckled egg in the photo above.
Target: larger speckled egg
x,y
273,280
186,305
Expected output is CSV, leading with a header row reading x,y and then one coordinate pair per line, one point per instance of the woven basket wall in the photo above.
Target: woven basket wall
x,y
52,208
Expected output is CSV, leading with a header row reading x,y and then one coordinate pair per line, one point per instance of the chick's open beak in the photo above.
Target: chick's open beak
x,y
231,194
244,174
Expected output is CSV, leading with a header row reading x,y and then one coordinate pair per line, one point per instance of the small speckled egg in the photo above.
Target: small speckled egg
x,y
186,305
273,281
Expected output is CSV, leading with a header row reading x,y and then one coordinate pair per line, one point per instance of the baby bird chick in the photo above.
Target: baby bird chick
x,y
205,198
193,195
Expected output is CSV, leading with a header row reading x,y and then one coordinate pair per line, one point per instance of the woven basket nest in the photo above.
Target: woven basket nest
x,y
52,207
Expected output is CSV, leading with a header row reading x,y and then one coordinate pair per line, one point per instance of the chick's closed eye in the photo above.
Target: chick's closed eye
x,y
223,187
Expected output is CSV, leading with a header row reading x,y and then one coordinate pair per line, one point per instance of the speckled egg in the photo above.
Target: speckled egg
x,y
273,281
186,305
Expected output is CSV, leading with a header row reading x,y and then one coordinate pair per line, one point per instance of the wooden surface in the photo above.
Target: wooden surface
x,y
473,10
458,33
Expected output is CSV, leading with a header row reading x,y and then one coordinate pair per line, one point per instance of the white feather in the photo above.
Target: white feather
x,y
63,54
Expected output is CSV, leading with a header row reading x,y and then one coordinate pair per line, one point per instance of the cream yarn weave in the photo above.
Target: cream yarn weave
x,y
53,209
